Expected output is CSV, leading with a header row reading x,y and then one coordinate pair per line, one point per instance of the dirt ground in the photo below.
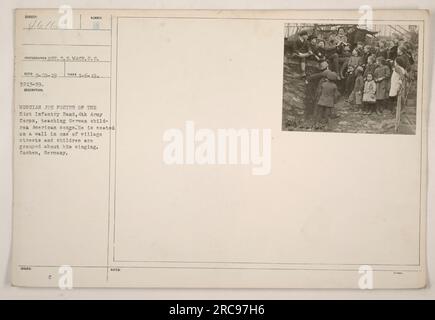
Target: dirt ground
x,y
345,118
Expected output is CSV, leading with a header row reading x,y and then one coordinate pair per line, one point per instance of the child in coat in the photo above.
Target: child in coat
x,y
319,51
396,83
382,50
358,89
353,61
382,78
369,94
328,95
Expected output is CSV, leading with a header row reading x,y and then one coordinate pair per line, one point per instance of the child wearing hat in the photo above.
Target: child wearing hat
x,y
328,95
381,76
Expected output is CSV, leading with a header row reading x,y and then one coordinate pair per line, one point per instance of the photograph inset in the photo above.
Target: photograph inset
x,y
346,78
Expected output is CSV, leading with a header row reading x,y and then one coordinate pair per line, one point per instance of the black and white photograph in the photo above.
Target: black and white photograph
x,y
350,78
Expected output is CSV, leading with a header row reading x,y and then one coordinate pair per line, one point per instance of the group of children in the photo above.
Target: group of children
x,y
369,76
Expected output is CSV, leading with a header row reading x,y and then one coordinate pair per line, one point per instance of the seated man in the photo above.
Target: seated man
x,y
312,83
319,53
312,47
